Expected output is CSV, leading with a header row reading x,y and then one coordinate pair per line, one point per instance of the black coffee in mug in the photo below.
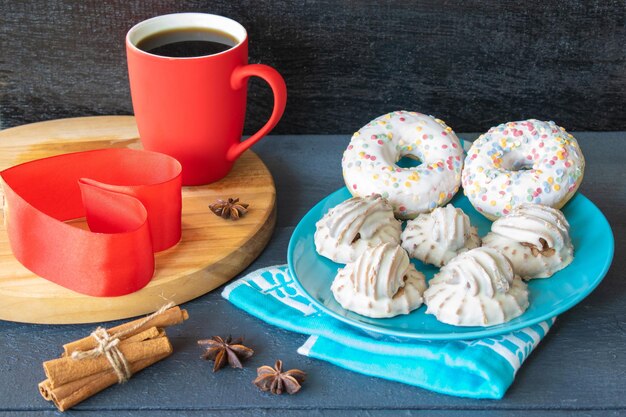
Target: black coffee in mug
x,y
187,42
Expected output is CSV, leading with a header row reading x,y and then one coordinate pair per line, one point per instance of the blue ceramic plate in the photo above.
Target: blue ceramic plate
x,y
593,252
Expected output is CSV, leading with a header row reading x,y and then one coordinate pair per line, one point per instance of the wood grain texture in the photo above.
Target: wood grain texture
x,y
211,251
578,370
473,63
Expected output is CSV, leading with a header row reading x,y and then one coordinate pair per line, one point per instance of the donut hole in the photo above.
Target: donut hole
x,y
408,161
516,161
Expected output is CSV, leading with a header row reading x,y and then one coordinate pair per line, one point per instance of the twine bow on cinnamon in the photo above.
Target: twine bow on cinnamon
x,y
107,345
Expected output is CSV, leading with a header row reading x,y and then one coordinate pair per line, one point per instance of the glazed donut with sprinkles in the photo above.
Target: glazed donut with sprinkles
x,y
369,162
522,162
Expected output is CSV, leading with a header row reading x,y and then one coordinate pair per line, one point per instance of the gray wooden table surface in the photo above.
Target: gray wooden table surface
x,y
579,369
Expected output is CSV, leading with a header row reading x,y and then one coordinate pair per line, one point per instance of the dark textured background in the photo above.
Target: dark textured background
x,y
472,63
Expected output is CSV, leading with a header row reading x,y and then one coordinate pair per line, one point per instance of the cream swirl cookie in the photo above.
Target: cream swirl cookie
x,y
351,227
369,162
535,238
477,288
522,162
436,237
381,282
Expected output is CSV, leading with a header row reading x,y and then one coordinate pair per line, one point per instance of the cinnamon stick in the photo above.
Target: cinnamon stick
x,y
45,390
151,333
169,317
66,369
68,395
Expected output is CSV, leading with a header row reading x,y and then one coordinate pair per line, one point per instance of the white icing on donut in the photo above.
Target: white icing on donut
x,y
477,288
351,227
382,282
535,238
436,237
369,162
520,162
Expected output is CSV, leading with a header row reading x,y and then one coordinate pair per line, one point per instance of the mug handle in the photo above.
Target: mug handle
x,y
238,80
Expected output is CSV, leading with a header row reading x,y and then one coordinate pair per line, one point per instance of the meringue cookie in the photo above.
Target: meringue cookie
x,y
355,225
535,238
436,237
382,282
476,288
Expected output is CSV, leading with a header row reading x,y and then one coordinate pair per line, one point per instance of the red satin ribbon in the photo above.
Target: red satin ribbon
x,y
132,203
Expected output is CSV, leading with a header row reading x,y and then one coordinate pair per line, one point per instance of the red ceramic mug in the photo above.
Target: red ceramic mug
x,y
193,108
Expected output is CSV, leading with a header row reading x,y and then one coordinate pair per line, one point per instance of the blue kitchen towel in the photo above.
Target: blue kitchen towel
x,y
483,368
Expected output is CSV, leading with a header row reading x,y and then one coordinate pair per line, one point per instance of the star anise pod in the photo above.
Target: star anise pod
x,y
276,381
545,250
230,209
224,352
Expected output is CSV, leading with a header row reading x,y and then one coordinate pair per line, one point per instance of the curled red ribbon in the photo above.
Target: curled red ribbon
x,y
132,203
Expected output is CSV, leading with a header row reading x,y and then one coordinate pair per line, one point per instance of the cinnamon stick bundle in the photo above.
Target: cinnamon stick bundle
x,y
142,343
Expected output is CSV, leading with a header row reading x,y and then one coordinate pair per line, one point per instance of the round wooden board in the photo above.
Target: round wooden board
x,y
211,252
